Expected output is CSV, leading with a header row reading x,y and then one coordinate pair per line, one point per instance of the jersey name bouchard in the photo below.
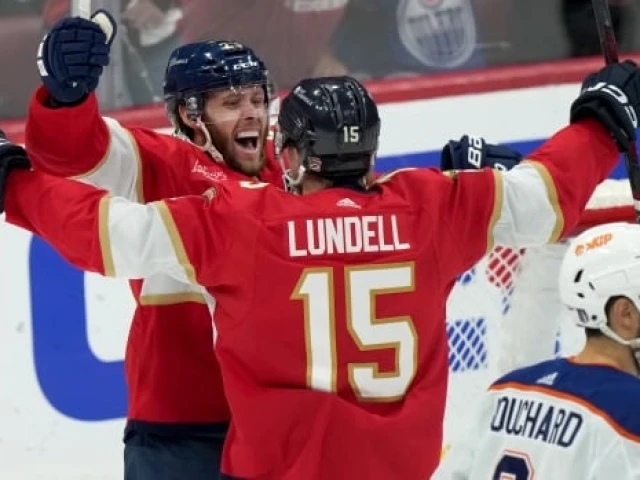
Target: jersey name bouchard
x,y
351,234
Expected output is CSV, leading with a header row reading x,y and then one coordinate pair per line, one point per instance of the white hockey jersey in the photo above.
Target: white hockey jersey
x,y
556,420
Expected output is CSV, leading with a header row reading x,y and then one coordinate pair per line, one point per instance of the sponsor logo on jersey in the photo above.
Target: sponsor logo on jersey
x,y
213,175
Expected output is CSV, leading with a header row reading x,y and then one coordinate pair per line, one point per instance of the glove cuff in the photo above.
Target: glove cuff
x,y
609,115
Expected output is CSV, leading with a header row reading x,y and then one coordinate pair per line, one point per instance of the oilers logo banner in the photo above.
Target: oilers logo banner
x,y
438,33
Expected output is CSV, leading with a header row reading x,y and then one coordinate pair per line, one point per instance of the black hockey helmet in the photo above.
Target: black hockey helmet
x,y
334,123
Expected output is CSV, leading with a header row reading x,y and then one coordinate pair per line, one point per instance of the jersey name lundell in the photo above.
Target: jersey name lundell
x,y
354,234
536,420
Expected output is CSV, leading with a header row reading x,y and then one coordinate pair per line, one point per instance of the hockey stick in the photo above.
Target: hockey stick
x,y
610,52
81,8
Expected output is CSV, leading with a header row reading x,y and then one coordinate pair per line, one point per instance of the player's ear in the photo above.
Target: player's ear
x,y
624,318
184,117
293,156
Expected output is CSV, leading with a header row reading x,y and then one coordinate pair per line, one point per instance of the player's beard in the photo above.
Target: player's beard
x,y
236,157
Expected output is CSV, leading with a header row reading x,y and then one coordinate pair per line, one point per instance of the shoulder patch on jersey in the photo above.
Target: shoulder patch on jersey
x,y
607,392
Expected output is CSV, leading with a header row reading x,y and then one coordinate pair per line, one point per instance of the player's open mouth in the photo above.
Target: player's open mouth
x,y
247,140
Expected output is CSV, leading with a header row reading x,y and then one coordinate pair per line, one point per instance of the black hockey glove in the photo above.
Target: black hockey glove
x,y
611,96
472,153
11,156
72,56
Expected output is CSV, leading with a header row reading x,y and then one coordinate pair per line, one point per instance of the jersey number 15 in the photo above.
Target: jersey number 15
x,y
316,288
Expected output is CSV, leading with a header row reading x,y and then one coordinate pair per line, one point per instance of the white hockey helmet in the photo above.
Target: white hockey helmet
x,y
601,263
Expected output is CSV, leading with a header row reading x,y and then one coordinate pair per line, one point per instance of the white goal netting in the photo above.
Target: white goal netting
x,y
506,313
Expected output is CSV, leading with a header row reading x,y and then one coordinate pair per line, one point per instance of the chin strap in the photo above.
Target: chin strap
x,y
208,144
292,184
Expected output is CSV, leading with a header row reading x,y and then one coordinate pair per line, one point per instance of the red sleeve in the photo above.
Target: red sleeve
x,y
538,202
65,141
194,239
535,203
62,212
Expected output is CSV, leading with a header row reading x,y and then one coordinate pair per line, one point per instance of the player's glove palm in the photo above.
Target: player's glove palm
x,y
612,96
12,156
472,152
72,56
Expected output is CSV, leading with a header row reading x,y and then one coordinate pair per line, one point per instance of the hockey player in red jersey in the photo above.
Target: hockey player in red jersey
x,y
330,305
216,95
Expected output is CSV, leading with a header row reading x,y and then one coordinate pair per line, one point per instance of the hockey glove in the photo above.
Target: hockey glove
x,y
472,152
611,96
11,156
72,56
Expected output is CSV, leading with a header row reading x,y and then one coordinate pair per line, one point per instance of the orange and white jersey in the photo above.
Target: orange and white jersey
x,y
553,420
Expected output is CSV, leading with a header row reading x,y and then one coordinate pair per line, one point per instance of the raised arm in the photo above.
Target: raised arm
x,y
94,231
541,200
66,135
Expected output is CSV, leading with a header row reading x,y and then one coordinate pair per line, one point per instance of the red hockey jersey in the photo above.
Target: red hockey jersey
x,y
171,370
330,307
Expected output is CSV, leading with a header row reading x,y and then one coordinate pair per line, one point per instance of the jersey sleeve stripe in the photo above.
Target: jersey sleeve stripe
x,y
172,298
98,165
529,213
498,201
388,176
176,241
138,183
570,398
105,237
552,194
116,171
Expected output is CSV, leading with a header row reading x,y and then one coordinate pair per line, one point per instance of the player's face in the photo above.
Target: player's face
x,y
626,321
238,123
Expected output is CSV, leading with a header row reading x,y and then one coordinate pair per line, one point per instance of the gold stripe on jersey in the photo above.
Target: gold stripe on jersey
x,y
139,184
552,195
104,236
98,165
172,298
139,190
176,240
388,176
498,204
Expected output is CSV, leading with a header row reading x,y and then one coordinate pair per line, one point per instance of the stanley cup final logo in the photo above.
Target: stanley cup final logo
x,y
438,33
